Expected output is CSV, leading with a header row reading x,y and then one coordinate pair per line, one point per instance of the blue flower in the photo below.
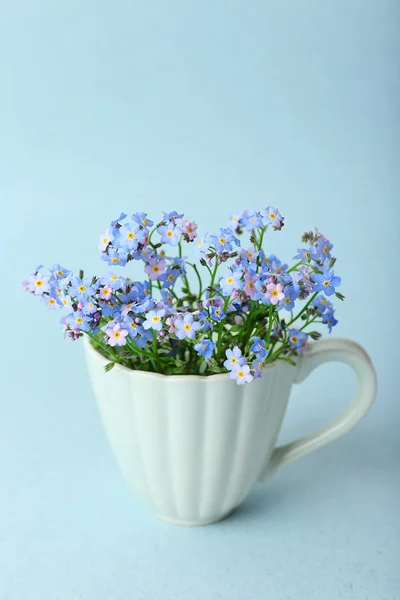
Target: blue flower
x,y
321,304
258,366
236,220
167,298
141,218
271,216
169,277
303,254
222,240
114,257
110,308
321,249
131,326
121,217
90,308
327,282
252,220
234,358
231,281
154,320
242,374
60,272
258,347
77,320
297,338
205,323
186,327
290,296
200,247
217,313
129,236
172,215
81,288
205,348
329,319
170,234
113,281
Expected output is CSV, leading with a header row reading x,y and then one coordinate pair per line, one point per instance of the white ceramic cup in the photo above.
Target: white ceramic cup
x,y
192,447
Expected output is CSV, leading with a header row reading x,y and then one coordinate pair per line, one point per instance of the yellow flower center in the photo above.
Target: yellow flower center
x,y
294,339
229,281
156,268
112,303
39,283
115,259
132,325
275,292
114,277
52,301
156,318
323,301
325,250
59,272
81,288
144,221
117,334
187,327
131,235
78,320
222,240
170,233
233,360
287,300
105,240
327,283
272,215
240,373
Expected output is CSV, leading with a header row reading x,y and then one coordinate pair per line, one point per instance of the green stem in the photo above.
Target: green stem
x,y
309,322
263,230
214,272
194,267
270,323
303,309
108,349
155,350
295,266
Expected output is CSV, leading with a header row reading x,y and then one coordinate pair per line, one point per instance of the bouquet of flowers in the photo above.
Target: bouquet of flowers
x,y
252,310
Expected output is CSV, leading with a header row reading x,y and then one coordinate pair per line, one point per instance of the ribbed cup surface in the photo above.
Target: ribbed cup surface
x,y
191,447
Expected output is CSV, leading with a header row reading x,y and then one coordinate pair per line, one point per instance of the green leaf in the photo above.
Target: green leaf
x,y
109,366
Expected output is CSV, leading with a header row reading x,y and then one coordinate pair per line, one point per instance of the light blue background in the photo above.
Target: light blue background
x,y
206,107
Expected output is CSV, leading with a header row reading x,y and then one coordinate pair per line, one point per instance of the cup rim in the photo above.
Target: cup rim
x,y
203,378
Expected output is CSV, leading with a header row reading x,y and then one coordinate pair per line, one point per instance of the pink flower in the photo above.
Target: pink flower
x,y
116,335
190,229
106,292
171,324
249,287
155,268
275,293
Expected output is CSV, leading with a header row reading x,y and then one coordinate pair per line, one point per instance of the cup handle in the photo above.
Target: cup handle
x,y
323,351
